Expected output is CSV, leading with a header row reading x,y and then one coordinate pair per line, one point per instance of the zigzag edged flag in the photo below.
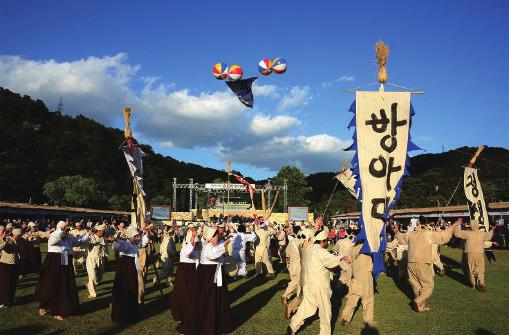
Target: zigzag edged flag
x,y
243,90
381,141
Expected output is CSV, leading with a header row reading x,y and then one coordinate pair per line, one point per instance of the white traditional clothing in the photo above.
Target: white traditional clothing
x,y
316,291
97,251
56,288
239,241
124,298
168,252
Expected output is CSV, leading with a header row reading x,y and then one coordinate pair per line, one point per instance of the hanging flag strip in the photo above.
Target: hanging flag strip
x,y
475,198
381,141
133,156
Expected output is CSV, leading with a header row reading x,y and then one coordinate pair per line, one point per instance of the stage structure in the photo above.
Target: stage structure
x,y
210,188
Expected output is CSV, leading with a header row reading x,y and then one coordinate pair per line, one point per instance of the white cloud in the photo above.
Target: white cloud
x,y
99,87
264,125
266,90
297,97
346,77
326,84
315,153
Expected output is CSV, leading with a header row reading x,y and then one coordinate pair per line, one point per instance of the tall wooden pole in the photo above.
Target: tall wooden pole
x,y
228,186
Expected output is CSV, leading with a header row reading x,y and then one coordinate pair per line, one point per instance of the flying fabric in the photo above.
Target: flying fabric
x,y
243,90
381,141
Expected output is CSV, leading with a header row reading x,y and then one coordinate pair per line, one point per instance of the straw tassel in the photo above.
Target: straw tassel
x,y
382,53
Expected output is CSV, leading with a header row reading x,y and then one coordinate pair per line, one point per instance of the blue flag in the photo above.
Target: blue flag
x,y
243,90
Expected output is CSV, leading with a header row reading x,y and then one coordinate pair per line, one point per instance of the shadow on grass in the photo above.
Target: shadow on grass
x,y
26,299
368,330
92,305
402,284
451,264
336,299
481,331
152,307
31,329
246,309
245,287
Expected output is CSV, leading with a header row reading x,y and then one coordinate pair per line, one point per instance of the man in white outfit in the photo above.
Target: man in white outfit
x,y
317,290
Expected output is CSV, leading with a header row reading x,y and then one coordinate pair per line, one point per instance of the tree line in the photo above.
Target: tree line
x,y
46,157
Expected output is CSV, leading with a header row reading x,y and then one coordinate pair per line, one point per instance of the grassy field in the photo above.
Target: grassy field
x,y
456,308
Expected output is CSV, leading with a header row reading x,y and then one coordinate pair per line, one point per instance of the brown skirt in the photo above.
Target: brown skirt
x,y
30,259
180,298
8,281
124,298
209,312
56,289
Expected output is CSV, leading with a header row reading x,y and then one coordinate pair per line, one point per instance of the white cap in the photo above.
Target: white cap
x,y
100,227
208,233
16,231
323,235
31,224
132,231
60,224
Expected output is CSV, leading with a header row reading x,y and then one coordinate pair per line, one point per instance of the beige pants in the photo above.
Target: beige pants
x,y
95,270
437,261
142,272
294,284
361,289
345,276
261,258
476,268
314,298
420,276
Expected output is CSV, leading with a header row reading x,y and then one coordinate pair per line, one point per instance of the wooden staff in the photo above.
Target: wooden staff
x,y
263,202
470,164
476,155
273,204
228,163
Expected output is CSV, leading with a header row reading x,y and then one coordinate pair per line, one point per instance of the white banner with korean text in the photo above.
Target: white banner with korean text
x,y
475,198
382,126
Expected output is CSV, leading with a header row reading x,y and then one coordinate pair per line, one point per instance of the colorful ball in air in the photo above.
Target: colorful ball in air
x,y
220,71
235,72
279,65
265,67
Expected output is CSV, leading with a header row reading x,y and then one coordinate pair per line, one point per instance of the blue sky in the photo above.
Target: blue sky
x,y
157,56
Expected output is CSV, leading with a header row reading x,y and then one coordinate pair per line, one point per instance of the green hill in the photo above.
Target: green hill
x,y
38,146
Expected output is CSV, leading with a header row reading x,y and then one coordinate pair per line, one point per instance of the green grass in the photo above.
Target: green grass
x,y
456,308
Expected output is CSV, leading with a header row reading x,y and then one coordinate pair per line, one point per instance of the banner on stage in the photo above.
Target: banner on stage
x,y
475,198
160,213
297,214
235,187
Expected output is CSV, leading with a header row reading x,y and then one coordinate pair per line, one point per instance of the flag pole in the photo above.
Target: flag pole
x,y
470,164
228,163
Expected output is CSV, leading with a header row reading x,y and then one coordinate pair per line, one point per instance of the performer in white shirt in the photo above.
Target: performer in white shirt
x,y
124,298
56,289
185,280
239,241
209,312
